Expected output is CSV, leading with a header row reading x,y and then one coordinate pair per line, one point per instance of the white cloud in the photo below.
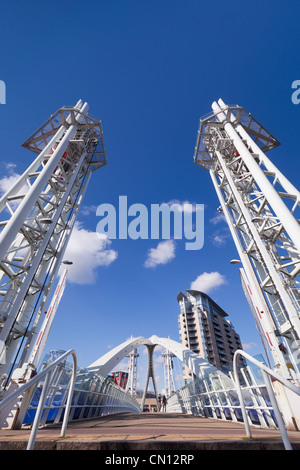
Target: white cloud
x,y
10,179
247,346
87,210
208,281
217,219
220,237
162,254
87,250
7,181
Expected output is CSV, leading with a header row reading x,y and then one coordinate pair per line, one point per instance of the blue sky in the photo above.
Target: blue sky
x,y
149,70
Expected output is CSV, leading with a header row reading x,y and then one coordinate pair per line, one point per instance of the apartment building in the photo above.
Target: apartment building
x,y
205,329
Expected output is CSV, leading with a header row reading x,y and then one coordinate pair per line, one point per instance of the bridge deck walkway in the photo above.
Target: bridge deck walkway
x,y
149,431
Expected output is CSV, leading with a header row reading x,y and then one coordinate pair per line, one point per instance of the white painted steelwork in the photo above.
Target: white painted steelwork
x,y
108,361
195,363
267,374
250,398
168,373
46,375
40,344
211,393
42,205
132,373
261,208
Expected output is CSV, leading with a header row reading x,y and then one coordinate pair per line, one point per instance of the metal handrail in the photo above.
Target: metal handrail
x,y
47,373
266,372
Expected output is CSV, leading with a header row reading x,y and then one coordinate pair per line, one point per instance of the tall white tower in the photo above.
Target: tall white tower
x,y
37,216
261,208
168,373
132,372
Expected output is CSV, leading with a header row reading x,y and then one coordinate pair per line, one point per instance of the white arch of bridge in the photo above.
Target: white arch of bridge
x,y
198,366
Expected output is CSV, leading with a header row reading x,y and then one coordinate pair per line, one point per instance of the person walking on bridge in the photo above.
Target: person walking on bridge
x,y
164,403
159,402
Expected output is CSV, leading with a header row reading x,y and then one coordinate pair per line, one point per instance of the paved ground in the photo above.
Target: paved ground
x,y
149,431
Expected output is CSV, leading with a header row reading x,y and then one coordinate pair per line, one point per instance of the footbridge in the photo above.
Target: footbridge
x,y
198,366
62,393
69,148
94,392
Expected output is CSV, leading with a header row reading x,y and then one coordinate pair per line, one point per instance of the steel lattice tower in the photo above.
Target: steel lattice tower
x,y
168,373
43,205
261,208
132,372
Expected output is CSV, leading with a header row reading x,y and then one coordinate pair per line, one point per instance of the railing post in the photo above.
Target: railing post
x,y
39,411
240,395
48,374
70,395
267,373
277,412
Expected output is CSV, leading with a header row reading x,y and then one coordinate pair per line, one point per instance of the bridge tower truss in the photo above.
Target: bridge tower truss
x,y
132,372
168,373
37,215
261,207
